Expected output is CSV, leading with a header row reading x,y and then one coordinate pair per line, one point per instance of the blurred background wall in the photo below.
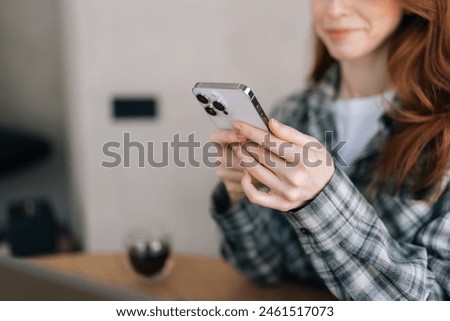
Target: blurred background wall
x,y
93,51
32,99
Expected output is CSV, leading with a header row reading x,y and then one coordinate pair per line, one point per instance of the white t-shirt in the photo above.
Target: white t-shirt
x,y
357,122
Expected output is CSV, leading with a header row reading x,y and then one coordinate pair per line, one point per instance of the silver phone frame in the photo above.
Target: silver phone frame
x,y
236,86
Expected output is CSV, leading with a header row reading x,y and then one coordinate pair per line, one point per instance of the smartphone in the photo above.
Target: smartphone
x,y
227,102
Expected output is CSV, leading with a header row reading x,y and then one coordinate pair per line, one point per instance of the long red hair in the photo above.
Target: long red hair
x,y
417,155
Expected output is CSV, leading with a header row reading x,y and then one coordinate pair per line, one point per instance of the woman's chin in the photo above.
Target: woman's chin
x,y
352,51
346,54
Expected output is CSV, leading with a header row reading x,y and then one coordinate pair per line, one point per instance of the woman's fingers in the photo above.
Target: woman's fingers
x,y
274,160
268,159
224,141
258,171
258,197
229,174
279,147
235,191
225,137
289,134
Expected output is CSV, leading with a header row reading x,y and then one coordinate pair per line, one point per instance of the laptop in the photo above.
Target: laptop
x,y
22,281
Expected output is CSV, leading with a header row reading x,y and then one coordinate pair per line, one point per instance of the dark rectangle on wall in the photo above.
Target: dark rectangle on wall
x,y
134,107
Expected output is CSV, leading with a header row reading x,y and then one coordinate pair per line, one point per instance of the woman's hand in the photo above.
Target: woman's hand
x,y
229,170
294,166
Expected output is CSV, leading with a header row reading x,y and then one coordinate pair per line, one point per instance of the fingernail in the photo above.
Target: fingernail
x,y
237,126
275,122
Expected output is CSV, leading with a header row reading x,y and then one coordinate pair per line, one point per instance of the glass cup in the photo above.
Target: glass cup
x,y
149,253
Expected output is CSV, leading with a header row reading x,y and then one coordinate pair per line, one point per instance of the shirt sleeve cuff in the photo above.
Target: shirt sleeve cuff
x,y
332,216
238,219
220,200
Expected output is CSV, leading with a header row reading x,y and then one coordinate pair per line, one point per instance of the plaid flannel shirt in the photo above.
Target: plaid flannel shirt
x,y
386,248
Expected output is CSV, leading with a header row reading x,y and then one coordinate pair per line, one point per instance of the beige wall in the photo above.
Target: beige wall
x,y
31,96
162,48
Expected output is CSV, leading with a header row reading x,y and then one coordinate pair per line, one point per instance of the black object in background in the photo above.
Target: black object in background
x,y
19,150
31,228
134,107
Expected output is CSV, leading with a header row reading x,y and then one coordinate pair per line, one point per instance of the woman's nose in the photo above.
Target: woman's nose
x,y
338,8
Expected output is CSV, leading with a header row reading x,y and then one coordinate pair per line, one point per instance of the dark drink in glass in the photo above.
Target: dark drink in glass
x,y
149,259
148,252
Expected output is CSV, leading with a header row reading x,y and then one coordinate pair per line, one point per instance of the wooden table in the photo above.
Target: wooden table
x,y
191,277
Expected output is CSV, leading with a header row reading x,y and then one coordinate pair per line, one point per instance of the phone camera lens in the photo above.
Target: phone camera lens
x,y
210,111
218,106
202,99
225,112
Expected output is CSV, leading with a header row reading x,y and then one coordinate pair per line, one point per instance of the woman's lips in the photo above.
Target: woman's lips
x,y
339,34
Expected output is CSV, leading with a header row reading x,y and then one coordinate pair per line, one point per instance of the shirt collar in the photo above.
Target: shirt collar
x,y
324,93
329,84
328,88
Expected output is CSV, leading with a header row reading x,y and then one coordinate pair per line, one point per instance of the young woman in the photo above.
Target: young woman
x,y
374,223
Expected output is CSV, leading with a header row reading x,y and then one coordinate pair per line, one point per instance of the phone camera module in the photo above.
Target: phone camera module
x,y
210,111
219,106
202,99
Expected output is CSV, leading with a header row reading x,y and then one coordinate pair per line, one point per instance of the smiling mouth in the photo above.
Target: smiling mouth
x,y
339,34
